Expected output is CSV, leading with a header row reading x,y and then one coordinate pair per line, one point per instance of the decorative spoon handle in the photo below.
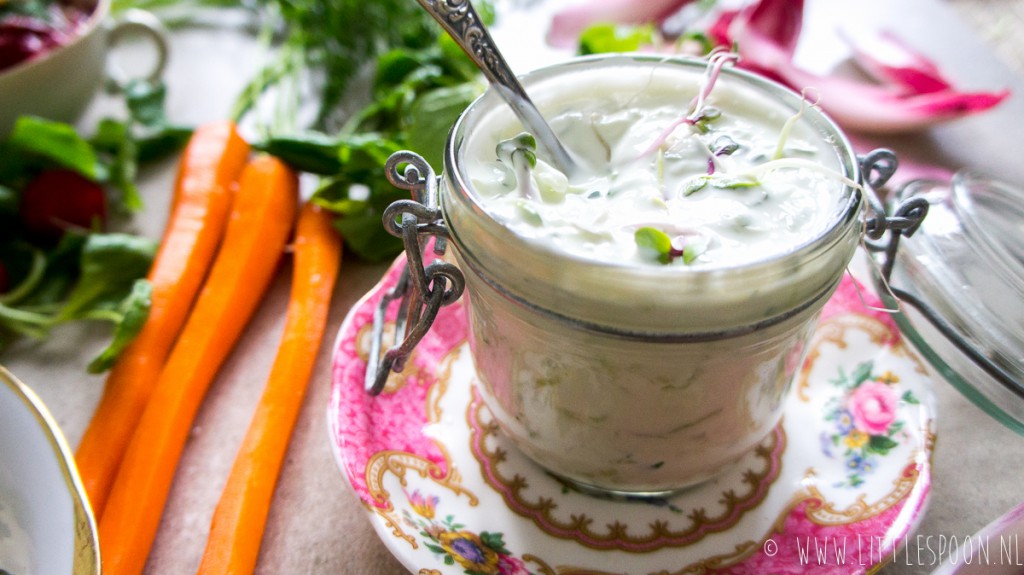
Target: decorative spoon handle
x,y
461,21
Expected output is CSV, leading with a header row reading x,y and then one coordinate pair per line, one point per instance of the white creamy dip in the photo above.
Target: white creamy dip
x,y
769,195
603,361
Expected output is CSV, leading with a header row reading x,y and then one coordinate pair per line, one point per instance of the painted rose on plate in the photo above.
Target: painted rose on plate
x,y
865,422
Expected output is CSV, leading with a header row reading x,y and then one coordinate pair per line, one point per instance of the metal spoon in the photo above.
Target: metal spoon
x,y
463,24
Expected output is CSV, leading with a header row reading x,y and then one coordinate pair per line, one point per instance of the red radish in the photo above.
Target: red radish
x,y
60,199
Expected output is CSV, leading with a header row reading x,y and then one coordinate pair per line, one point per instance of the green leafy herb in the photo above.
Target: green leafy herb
x,y
80,274
93,277
694,248
654,244
529,213
729,183
432,116
35,142
604,37
519,156
109,265
422,81
331,40
520,147
418,92
133,311
146,135
359,193
694,185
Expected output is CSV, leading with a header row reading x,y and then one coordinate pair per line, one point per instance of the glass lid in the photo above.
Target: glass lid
x,y
962,274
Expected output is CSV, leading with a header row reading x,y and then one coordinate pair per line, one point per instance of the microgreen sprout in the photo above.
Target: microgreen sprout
x,y
661,168
519,154
654,243
717,60
722,146
529,213
755,172
787,128
699,113
695,184
658,245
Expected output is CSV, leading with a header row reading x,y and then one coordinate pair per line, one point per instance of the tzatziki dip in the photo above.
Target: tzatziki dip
x,y
736,180
636,325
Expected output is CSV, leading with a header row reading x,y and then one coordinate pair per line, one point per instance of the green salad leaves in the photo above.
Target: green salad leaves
x,y
417,94
59,192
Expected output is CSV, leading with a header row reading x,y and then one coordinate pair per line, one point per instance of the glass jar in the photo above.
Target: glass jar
x,y
629,377
637,378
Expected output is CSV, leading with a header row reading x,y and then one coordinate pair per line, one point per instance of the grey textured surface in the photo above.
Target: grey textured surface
x,y
316,524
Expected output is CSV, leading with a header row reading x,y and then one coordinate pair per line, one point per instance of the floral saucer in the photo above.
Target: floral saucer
x,y
835,487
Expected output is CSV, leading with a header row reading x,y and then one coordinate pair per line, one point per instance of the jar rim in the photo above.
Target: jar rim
x,y
823,124
460,195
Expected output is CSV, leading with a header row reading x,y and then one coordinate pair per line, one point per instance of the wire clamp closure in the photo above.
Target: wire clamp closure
x,y
422,290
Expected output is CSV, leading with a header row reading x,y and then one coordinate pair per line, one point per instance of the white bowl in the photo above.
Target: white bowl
x,y
46,527
59,84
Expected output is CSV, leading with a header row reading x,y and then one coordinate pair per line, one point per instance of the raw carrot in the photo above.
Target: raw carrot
x,y
241,515
258,228
209,167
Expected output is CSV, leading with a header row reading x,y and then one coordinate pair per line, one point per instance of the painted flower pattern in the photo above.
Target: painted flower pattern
x,y
873,406
865,420
481,553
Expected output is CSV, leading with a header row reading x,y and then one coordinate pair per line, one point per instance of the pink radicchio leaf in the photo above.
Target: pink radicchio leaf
x,y
719,29
910,168
766,47
568,24
864,107
776,21
889,59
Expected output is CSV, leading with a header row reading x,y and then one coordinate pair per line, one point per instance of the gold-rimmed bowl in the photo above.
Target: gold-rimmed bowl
x,y
46,525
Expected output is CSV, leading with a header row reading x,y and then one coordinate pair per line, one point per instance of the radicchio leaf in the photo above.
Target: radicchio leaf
x,y
766,32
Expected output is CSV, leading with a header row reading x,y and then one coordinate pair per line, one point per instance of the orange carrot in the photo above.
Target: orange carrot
x,y
209,167
241,514
258,228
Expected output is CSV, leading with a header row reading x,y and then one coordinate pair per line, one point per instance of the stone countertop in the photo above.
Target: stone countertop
x,y
316,525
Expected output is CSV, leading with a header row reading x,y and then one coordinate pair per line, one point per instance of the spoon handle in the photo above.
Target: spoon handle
x,y
461,21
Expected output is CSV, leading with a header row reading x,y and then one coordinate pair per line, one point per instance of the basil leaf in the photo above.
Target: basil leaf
x,y
359,193
134,311
163,142
110,265
145,101
57,143
60,274
432,117
115,139
369,240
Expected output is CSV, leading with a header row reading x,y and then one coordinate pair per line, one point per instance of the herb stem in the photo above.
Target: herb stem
x,y
24,322
755,172
32,279
103,315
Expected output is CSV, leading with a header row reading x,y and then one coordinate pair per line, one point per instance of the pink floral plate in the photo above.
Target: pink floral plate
x,y
836,487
